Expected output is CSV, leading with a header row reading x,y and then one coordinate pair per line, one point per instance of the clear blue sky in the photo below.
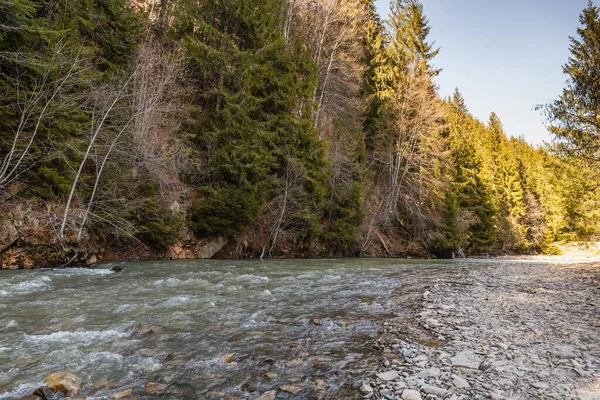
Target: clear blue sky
x,y
503,55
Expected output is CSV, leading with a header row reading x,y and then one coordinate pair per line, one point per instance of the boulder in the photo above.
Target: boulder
x,y
64,382
117,268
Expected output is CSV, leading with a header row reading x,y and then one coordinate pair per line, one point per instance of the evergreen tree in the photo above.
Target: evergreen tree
x,y
575,116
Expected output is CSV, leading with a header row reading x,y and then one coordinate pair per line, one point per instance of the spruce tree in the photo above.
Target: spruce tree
x,y
575,115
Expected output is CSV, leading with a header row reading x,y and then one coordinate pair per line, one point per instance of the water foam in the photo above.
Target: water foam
x,y
83,271
78,337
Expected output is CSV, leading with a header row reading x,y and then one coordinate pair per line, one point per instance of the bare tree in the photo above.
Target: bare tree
x,y
34,108
408,157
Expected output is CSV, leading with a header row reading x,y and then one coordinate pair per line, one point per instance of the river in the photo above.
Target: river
x,y
219,329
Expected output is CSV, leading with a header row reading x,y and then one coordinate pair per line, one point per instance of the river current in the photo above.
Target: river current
x,y
205,329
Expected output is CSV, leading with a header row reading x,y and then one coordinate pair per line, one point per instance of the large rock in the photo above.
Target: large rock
x,y
388,376
64,382
8,232
466,359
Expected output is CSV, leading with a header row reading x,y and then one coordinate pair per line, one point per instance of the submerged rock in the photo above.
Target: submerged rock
x,y
117,268
64,382
270,395
293,389
122,394
155,387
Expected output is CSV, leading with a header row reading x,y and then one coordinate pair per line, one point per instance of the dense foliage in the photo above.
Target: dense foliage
x,y
295,127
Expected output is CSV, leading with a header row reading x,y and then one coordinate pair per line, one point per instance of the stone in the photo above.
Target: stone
x,y
496,396
293,389
228,357
143,329
540,385
460,382
64,382
43,393
427,373
430,389
91,260
122,394
270,395
117,268
366,388
466,359
388,376
271,375
155,387
410,394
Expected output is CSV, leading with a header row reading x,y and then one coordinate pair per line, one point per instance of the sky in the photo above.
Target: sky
x,y
504,56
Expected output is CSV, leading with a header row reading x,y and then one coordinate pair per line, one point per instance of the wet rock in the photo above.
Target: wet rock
x,y
117,268
388,376
293,389
143,329
270,395
297,363
155,387
43,393
64,382
122,394
466,359
410,394
271,375
228,357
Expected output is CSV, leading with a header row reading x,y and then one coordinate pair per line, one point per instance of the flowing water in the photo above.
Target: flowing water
x,y
218,329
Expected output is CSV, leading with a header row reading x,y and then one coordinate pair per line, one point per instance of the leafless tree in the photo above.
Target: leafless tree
x,y
34,108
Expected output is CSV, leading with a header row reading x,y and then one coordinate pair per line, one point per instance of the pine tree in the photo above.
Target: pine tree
x,y
575,115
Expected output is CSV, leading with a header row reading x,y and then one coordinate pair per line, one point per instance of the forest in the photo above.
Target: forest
x,y
276,128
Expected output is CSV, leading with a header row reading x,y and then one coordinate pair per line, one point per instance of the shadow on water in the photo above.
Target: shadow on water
x,y
206,329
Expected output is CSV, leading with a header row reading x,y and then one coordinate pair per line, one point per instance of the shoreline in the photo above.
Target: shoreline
x,y
513,331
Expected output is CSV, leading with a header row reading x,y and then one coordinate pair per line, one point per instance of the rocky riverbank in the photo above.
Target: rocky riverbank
x,y
505,331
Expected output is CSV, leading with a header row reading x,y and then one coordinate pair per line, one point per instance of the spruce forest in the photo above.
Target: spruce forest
x,y
272,128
